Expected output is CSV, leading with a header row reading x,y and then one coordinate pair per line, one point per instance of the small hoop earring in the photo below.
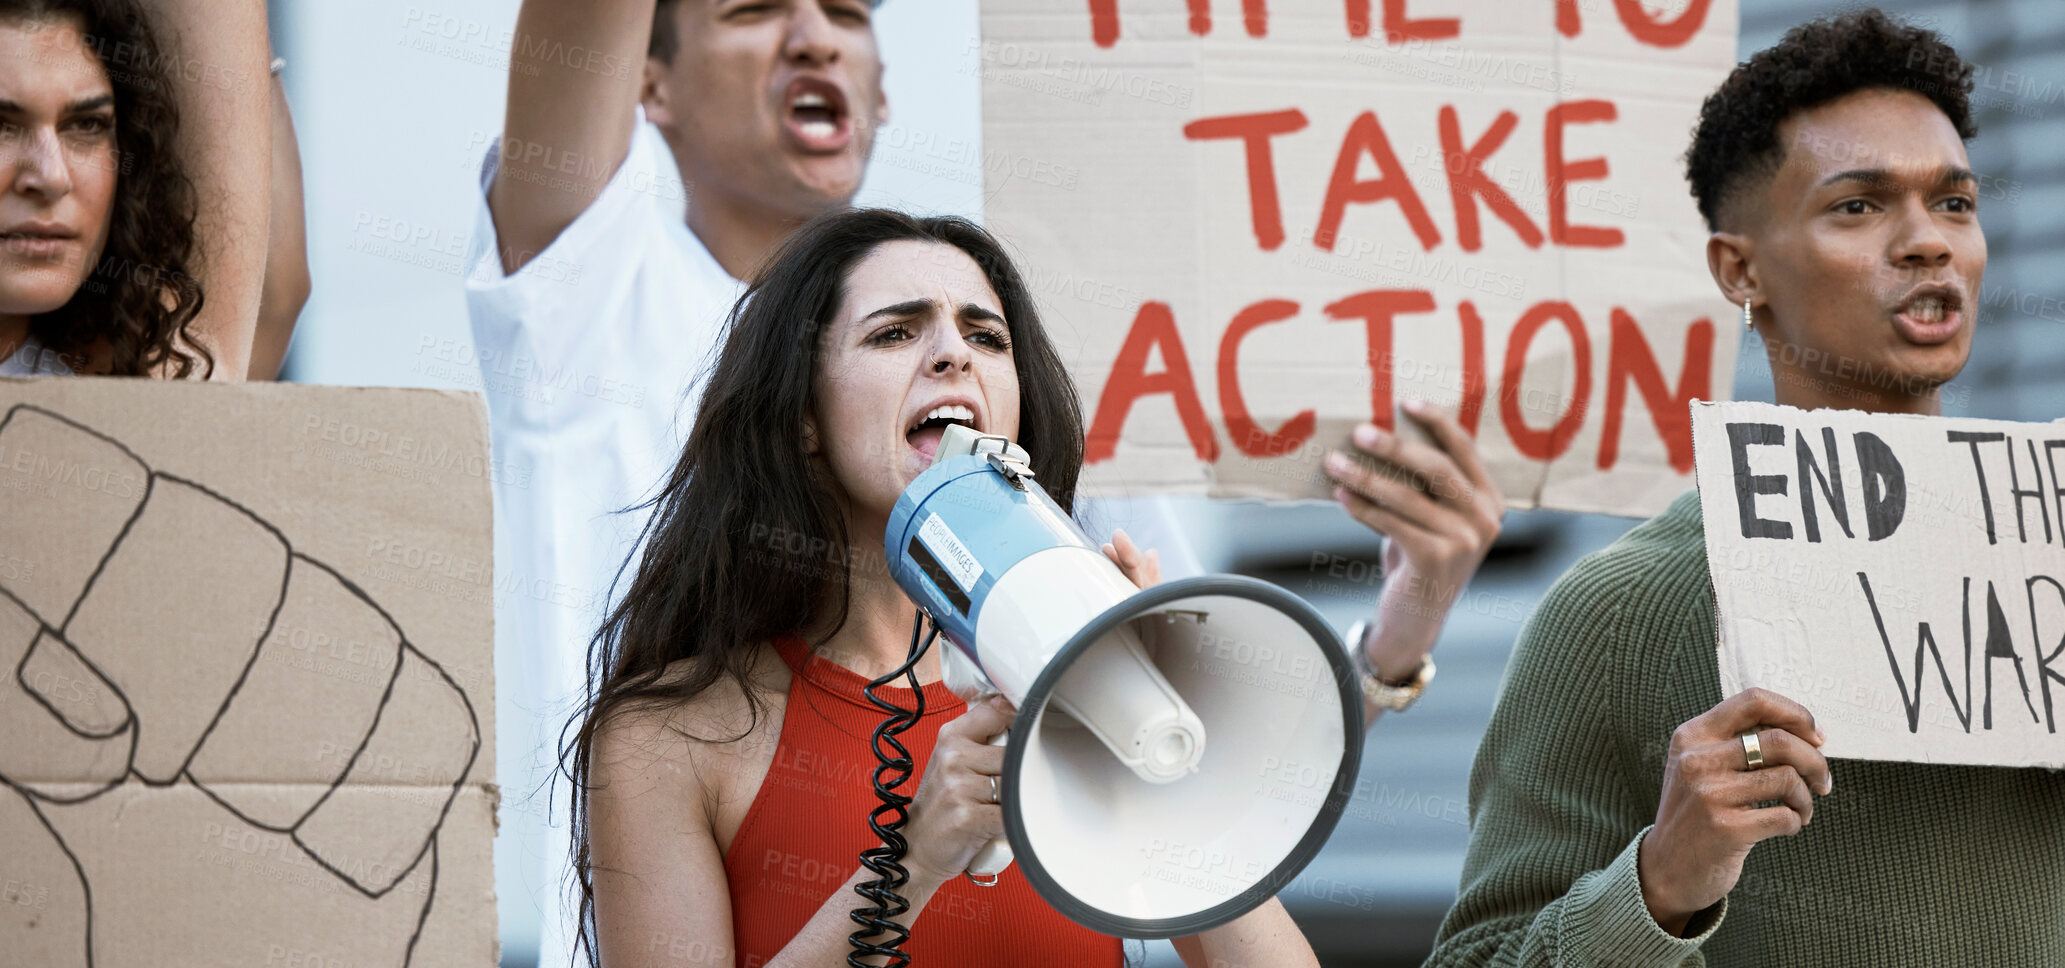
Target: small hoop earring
x,y
1748,322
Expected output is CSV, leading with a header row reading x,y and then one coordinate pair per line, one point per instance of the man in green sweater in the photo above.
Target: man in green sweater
x,y
1616,815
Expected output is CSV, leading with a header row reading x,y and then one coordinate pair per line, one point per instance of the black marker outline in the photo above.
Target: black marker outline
x,y
279,600
132,725
78,869
21,669
128,761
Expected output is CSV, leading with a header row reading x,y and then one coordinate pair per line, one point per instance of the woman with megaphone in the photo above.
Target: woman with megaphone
x,y
722,770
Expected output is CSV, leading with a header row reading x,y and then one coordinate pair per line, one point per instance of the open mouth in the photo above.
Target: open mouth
x,y
1930,314
925,433
815,115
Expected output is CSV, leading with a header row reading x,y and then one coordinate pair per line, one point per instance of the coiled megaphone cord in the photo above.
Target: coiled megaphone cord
x,y
880,934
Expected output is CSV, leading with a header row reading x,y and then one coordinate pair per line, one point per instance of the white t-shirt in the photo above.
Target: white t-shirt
x,y
588,354
32,359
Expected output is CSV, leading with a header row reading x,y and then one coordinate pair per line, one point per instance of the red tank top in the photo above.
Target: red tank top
x,y
804,832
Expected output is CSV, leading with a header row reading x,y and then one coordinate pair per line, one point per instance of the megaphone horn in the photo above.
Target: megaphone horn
x,y
1145,793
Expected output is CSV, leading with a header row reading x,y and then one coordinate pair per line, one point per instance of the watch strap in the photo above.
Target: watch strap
x,y
1385,695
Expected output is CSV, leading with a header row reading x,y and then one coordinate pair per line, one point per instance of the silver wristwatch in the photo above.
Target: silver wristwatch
x,y
1385,695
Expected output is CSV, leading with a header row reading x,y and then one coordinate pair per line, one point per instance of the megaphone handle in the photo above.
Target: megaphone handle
x,y
995,855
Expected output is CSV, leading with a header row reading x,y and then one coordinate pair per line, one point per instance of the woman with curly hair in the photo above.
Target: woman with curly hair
x,y
135,151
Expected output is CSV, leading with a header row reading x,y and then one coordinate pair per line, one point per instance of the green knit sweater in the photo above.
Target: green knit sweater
x,y
1904,864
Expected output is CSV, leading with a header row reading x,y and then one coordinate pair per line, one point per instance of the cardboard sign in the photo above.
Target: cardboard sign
x,y
1251,226
1901,577
248,716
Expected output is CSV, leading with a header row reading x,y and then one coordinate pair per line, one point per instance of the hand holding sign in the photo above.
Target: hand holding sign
x,y
1903,575
1437,504
1713,808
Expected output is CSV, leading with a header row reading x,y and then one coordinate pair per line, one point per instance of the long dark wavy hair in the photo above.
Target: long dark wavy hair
x,y
142,296
711,585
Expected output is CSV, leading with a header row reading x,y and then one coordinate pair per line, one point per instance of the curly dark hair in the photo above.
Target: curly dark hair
x,y
142,297
1736,146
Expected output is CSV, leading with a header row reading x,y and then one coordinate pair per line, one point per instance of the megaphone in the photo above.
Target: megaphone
x,y
1179,753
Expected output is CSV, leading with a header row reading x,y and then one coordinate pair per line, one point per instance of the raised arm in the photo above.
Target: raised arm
x,y
286,258
218,54
1440,510
562,107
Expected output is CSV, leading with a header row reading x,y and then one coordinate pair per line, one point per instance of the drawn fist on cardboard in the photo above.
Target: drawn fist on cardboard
x,y
159,640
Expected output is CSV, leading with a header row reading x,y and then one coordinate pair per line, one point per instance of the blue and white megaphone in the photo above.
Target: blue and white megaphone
x,y
1180,752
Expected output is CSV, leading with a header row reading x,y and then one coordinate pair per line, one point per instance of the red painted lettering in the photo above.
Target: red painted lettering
x,y
1376,308
1154,326
1398,28
1561,173
1104,19
1643,25
1104,22
1248,436
1366,137
1254,131
1545,445
1630,359
1467,181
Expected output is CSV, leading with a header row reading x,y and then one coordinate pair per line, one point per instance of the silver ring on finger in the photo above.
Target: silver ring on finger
x,y
993,795
1752,751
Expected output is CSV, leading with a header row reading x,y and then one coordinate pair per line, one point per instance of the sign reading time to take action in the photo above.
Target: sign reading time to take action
x,y
1902,577
1253,225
